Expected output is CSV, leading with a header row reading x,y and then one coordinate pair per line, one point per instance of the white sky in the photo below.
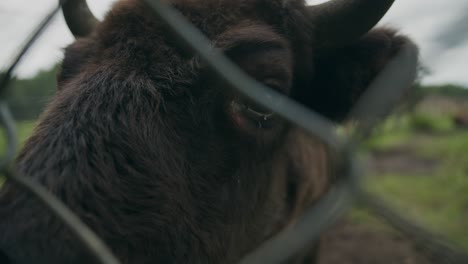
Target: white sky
x,y
439,27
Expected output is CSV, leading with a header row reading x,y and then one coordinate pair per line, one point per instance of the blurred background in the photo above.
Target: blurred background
x,y
418,157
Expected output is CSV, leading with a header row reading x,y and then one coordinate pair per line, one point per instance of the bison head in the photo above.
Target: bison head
x,y
162,159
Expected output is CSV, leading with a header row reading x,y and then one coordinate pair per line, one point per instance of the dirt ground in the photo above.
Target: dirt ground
x,y
352,243
401,159
355,243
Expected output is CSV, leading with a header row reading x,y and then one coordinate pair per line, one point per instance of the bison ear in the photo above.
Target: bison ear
x,y
342,74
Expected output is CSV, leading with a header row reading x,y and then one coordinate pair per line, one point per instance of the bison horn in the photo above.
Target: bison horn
x,y
79,18
338,22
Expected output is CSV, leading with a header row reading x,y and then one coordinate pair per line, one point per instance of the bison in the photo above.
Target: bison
x,y
164,161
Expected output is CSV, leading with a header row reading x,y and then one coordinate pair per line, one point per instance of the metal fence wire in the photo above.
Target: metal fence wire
x,y
379,99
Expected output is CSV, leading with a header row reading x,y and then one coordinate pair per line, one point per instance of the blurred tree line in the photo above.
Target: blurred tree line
x,y
27,97
449,90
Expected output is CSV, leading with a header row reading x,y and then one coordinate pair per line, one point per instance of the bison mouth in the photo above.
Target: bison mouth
x,y
250,116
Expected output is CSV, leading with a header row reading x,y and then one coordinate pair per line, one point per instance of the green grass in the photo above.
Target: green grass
x,y
440,202
439,199
395,131
398,131
433,123
453,148
23,129
388,140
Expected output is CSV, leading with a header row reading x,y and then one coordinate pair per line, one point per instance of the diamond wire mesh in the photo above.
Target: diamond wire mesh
x,y
379,99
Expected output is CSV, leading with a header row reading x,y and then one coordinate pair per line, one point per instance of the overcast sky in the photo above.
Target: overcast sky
x,y
439,27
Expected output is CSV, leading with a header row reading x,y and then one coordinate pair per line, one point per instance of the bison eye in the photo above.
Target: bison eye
x,y
250,116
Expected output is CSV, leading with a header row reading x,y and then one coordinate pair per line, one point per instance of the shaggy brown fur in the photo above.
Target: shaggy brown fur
x,y
140,140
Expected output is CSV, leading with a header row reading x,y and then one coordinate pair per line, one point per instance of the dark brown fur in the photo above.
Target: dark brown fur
x,y
139,141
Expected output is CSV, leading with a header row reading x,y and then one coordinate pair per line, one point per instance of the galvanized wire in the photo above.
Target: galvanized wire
x,y
381,96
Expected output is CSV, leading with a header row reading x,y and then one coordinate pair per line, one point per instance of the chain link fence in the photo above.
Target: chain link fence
x,y
379,99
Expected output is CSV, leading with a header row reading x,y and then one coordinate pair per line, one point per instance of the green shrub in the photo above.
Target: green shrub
x,y
431,123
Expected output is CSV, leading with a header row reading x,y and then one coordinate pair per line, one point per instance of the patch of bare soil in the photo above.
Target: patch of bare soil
x,y
401,160
352,243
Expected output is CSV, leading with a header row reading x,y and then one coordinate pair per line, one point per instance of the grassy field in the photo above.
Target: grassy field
x,y
433,192
23,130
